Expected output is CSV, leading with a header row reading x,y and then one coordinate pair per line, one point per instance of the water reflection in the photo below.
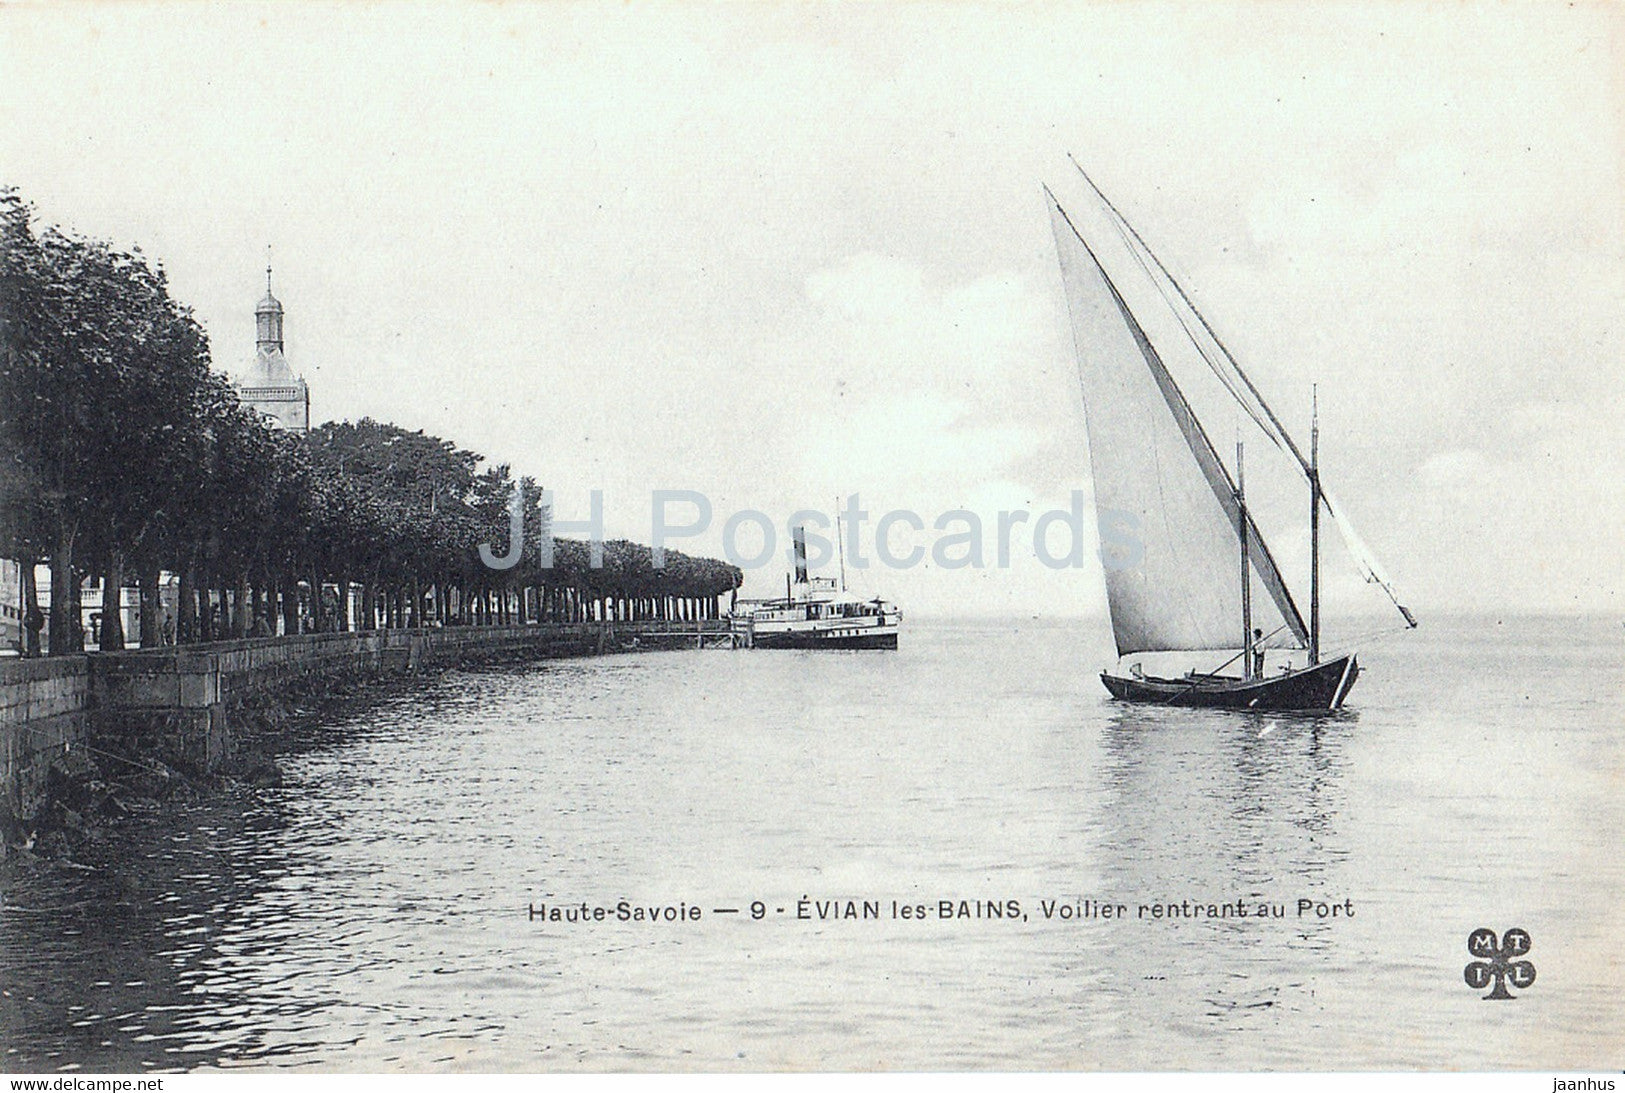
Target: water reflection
x,y
370,913
1235,812
130,966
276,926
1218,799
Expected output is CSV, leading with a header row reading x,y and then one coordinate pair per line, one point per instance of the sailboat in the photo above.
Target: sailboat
x,y
1187,569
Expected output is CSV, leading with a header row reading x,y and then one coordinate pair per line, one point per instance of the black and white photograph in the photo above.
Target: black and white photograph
x,y
698,538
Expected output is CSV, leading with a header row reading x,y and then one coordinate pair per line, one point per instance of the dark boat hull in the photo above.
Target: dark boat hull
x,y
1323,687
813,640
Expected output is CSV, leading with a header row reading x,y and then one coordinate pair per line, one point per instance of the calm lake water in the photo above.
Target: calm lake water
x,y
373,912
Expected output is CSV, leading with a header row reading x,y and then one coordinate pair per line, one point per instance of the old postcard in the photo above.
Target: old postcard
x,y
678,537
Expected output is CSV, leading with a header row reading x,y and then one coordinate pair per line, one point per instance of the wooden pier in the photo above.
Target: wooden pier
x,y
668,634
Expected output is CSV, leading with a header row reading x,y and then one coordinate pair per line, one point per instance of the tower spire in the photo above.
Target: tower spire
x,y
268,316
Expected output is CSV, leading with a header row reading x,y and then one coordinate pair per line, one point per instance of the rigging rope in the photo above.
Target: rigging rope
x,y
1229,384
1365,561
1361,639
1278,435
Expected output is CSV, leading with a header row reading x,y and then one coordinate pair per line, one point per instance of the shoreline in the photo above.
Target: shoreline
x,y
73,728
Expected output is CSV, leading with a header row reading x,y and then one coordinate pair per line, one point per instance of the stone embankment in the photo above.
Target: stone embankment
x,y
84,738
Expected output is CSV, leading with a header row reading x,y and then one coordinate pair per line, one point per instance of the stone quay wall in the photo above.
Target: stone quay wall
x,y
187,705
44,712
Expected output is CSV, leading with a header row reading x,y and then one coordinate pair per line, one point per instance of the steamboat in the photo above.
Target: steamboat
x,y
815,613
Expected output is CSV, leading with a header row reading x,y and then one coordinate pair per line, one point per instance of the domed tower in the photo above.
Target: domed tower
x,y
271,386
268,318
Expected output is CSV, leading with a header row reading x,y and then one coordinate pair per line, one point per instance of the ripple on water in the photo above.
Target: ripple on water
x,y
371,912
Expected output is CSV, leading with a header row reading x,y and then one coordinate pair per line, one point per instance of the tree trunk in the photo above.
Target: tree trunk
x,y
152,609
29,610
318,622
242,622
76,610
62,603
193,607
290,603
186,624
113,603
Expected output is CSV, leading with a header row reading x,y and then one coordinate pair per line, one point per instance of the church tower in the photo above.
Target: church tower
x,y
271,386
268,317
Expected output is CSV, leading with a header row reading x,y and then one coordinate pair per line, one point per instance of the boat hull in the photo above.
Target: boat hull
x,y
804,639
1322,687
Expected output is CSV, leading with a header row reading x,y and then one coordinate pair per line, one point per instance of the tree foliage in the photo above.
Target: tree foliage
x,y
120,447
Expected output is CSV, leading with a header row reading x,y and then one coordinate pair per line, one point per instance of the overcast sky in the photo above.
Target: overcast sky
x,y
776,253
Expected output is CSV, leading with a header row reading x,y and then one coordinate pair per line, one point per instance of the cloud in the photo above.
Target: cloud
x,y
1460,469
869,288
752,250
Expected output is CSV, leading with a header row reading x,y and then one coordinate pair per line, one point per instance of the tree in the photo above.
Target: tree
x,y
120,448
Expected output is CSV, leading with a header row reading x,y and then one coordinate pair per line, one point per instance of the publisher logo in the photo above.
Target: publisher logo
x,y
1498,962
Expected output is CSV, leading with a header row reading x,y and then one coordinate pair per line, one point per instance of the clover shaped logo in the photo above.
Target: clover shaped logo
x,y
1498,962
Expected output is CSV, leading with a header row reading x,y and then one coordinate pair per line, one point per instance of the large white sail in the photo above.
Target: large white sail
x,y
1167,507
1241,388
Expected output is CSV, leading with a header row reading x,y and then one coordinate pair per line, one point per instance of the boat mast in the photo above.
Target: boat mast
x,y
1246,570
1196,438
1314,526
840,547
1127,231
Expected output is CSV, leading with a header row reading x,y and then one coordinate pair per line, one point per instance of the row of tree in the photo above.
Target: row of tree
x,y
124,455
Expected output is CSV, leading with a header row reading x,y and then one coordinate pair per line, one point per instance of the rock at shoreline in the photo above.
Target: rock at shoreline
x,y
54,845
253,769
74,780
81,800
153,780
